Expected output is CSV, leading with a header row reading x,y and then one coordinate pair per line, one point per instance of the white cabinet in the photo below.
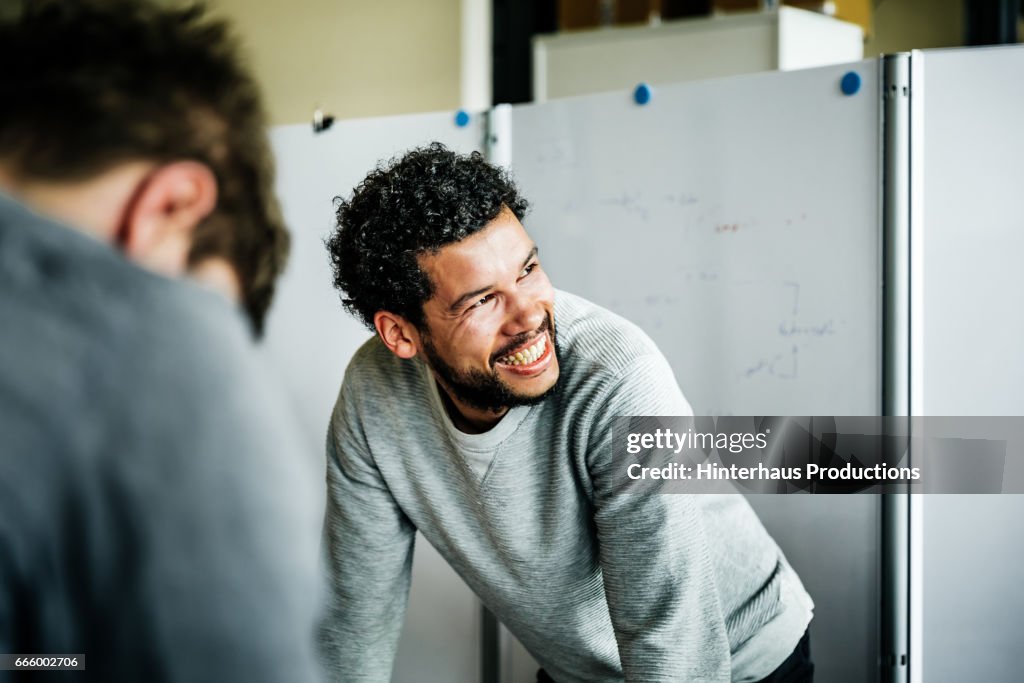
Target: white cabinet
x,y
584,62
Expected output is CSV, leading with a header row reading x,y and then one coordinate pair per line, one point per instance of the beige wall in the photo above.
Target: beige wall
x,y
902,25
358,58
353,58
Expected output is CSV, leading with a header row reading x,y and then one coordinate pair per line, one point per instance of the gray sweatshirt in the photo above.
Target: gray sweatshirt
x,y
156,512
598,585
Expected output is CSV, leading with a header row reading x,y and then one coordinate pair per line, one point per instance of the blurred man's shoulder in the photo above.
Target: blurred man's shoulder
x,y
86,325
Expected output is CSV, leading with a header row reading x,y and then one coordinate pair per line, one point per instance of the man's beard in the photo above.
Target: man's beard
x,y
486,390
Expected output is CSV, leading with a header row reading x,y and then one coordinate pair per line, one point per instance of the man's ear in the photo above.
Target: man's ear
x,y
397,333
157,229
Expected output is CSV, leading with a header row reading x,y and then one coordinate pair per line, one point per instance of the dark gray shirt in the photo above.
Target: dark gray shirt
x,y
155,508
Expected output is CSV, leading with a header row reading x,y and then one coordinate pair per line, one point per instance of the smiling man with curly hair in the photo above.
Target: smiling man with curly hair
x,y
480,414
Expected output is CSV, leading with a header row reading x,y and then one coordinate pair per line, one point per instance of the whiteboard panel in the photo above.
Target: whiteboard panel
x,y
736,221
973,232
310,339
972,326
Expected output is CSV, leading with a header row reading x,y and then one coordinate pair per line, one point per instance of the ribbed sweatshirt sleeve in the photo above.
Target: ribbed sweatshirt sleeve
x,y
657,567
369,548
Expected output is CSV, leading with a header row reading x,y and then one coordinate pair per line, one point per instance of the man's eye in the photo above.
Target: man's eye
x,y
483,300
527,270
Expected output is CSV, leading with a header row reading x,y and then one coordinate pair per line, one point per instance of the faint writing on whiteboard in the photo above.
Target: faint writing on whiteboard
x,y
630,203
791,220
637,204
722,227
791,329
796,294
553,154
680,198
661,300
781,366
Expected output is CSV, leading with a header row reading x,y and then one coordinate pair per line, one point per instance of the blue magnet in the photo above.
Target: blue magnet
x,y
642,94
461,118
850,83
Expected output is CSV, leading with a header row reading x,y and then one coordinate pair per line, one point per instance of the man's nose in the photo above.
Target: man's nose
x,y
525,314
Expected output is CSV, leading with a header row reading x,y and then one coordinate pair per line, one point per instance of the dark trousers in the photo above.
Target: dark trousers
x,y
797,668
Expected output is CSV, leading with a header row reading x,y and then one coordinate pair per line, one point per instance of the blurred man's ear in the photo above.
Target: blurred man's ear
x,y
397,333
157,228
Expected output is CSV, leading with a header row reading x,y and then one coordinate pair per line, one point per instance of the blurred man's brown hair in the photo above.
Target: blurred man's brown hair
x,y
78,99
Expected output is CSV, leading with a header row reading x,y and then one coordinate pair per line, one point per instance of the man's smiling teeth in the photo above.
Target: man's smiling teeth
x,y
527,355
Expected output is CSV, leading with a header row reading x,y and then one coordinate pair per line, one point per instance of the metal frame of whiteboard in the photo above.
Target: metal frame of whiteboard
x,y
896,231
915,531
689,49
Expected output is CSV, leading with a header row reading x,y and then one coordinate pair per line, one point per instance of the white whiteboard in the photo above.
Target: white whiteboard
x,y
972,328
310,339
737,222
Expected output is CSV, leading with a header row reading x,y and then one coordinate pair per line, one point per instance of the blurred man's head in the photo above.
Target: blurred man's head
x,y
140,125
430,252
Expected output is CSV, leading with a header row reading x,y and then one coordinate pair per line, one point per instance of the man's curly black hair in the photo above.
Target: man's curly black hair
x,y
415,204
